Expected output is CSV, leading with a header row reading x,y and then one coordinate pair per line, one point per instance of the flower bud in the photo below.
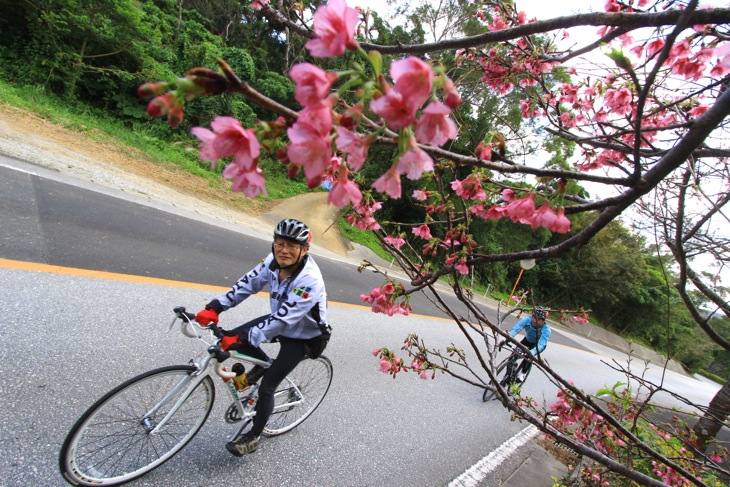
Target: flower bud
x,y
152,89
208,82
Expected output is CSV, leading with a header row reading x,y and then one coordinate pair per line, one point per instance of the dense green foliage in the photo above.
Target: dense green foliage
x,y
90,56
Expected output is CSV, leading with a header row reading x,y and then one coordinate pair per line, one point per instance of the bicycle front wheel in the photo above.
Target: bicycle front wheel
x,y
492,394
112,443
299,394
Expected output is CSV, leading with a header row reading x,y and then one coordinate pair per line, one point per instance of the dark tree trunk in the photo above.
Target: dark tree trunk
x,y
709,425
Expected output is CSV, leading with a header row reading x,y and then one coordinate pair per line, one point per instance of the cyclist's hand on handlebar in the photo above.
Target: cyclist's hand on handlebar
x,y
206,317
229,340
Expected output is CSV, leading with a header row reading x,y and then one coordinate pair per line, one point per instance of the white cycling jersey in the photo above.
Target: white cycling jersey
x,y
298,303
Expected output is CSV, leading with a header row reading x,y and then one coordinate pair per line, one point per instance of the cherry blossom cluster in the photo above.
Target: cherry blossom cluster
x,y
676,439
523,210
389,299
362,217
391,364
610,100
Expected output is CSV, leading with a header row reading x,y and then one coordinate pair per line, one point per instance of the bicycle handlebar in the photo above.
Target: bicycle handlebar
x,y
215,351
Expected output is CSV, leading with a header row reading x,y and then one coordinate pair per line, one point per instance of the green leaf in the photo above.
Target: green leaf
x,y
376,61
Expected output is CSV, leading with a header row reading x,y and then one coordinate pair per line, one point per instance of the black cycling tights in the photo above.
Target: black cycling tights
x,y
291,352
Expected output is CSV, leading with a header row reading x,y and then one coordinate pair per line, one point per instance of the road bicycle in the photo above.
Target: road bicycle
x,y
515,374
145,421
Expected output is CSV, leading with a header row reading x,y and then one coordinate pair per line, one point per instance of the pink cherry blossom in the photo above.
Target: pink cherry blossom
x,y
484,151
421,195
562,224
414,78
389,183
310,145
396,241
334,26
250,182
354,145
521,210
459,263
697,111
414,161
397,110
544,217
344,191
508,195
228,139
470,188
422,231
435,126
619,100
723,64
385,366
318,117
451,96
313,83
309,150
493,213
258,4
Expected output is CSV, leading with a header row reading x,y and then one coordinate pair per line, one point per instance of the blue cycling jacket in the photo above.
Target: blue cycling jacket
x,y
538,336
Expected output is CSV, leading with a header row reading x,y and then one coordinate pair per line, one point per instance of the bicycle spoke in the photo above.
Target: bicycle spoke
x,y
299,395
113,443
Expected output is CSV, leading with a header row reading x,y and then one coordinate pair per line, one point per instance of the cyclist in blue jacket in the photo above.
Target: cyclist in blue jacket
x,y
298,319
537,334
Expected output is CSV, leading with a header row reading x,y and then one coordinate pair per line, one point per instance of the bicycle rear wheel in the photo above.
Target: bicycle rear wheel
x,y
111,443
299,394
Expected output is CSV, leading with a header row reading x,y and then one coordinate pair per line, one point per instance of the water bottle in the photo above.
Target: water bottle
x,y
240,382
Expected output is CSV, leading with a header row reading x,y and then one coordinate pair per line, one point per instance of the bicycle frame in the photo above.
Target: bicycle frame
x,y
244,403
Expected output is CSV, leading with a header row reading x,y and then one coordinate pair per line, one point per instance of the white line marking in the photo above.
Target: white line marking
x,y
7,166
478,472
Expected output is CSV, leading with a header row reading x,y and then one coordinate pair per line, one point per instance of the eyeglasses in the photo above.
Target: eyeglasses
x,y
287,246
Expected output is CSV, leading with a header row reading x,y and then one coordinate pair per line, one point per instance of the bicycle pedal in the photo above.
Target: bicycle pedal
x,y
232,415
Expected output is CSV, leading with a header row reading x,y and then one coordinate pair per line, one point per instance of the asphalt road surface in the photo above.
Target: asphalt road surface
x,y
68,336
65,222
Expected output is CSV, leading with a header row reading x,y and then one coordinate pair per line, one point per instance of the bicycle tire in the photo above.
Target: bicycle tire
x,y
109,445
311,378
489,395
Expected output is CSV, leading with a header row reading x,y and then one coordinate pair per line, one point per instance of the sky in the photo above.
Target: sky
x,y
540,9
543,10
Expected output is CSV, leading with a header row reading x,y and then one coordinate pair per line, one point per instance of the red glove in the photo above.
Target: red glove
x,y
206,317
228,341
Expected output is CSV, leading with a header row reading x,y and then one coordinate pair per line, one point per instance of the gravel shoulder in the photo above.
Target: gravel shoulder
x,y
91,157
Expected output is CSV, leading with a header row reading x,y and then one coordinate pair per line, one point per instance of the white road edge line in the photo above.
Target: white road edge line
x,y
478,472
25,171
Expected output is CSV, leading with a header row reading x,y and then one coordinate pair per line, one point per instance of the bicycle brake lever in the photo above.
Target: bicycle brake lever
x,y
216,331
219,354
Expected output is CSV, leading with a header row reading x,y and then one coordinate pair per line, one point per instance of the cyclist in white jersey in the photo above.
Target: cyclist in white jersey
x,y
298,319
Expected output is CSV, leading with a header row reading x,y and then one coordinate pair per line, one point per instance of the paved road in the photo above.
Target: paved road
x,y
67,338
50,219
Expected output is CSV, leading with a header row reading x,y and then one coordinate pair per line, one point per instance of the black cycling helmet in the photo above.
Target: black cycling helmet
x,y
293,230
539,312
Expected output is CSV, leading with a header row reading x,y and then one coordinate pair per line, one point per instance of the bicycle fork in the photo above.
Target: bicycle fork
x,y
189,383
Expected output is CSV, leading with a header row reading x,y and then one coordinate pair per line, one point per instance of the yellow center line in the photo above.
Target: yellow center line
x,y
74,271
